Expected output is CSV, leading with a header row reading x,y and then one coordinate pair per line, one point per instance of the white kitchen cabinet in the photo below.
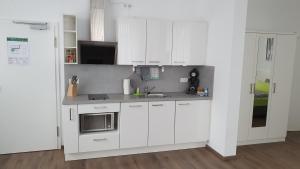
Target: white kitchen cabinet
x,y
189,43
131,37
70,128
159,42
192,121
134,125
161,123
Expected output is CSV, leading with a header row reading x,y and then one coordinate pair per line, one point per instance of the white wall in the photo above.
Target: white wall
x,y
280,16
226,53
46,10
225,43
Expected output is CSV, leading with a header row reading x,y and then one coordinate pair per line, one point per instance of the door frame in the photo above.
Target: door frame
x,y
58,80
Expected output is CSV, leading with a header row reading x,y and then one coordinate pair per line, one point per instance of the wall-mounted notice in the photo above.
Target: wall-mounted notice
x,y
17,50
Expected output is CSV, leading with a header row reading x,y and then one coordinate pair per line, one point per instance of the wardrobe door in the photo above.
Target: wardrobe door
x,y
262,87
247,93
282,84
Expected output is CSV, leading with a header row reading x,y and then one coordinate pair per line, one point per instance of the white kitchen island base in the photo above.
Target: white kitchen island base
x,y
120,152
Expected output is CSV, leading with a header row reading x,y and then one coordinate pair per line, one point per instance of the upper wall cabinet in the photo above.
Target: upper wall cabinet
x,y
159,42
131,34
189,43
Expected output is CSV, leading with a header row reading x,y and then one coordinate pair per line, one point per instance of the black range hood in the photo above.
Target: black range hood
x,y
97,52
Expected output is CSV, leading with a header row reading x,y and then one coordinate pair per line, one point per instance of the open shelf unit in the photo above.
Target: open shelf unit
x,y
70,39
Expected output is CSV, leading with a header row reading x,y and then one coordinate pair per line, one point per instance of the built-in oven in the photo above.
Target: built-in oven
x,y
98,122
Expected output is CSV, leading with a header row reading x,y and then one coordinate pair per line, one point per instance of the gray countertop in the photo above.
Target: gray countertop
x,y
120,98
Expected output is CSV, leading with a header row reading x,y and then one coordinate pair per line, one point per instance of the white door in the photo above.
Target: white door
x,y
247,91
161,123
192,121
131,35
282,84
134,125
28,114
159,42
189,43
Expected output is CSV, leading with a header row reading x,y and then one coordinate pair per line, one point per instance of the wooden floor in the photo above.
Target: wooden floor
x,y
264,156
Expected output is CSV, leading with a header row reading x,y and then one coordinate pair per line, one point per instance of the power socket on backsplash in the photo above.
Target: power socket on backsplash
x,y
184,80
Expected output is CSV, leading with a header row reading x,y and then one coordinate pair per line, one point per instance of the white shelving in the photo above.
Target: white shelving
x,y
70,39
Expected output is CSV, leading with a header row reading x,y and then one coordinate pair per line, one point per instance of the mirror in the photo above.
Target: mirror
x,y
262,82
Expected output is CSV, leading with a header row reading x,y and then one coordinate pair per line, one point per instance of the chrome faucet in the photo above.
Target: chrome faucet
x,y
148,90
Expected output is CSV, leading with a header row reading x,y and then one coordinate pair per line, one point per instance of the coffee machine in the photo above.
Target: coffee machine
x,y
193,81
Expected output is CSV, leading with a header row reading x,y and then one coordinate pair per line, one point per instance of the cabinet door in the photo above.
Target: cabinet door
x,y
189,43
247,91
161,123
134,125
70,124
281,86
131,35
192,121
159,42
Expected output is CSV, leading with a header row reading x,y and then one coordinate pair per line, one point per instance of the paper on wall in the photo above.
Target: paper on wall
x,y
18,51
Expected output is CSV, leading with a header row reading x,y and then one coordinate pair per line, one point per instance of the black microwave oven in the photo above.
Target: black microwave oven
x,y
97,52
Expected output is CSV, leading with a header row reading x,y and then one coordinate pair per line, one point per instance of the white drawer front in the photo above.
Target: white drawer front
x,y
98,142
98,108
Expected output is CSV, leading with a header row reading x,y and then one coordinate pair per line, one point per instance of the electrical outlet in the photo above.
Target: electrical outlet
x,y
184,80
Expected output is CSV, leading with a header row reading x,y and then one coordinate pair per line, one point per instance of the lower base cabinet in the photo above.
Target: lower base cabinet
x,y
134,125
70,128
161,123
141,124
192,121
98,142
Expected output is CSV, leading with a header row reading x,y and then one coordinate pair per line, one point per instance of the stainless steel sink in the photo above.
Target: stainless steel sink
x,y
156,95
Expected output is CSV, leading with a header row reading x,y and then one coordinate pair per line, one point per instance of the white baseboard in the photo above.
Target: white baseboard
x,y
261,141
293,130
120,152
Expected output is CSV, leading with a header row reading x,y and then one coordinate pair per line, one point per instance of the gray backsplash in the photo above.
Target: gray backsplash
x,y
108,78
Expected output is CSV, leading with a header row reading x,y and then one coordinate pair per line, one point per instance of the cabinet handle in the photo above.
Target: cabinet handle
x,y
157,105
179,62
135,106
70,111
269,49
184,104
100,139
154,61
252,88
274,87
137,61
101,107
